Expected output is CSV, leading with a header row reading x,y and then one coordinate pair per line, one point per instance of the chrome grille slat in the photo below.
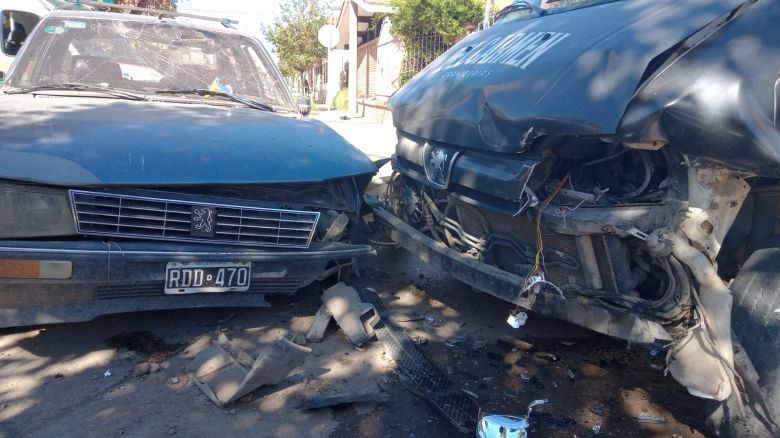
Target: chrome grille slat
x,y
131,216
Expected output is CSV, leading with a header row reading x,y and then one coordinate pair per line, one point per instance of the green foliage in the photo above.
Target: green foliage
x,y
428,27
294,34
340,101
449,19
165,5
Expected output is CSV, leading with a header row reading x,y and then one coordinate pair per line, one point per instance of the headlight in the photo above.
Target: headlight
x,y
32,211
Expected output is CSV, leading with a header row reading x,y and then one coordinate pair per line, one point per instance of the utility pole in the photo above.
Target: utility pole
x,y
488,9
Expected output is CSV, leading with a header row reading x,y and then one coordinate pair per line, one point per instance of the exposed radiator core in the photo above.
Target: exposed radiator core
x,y
509,243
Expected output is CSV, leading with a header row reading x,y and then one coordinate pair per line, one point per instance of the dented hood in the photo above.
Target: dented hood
x,y
568,73
75,141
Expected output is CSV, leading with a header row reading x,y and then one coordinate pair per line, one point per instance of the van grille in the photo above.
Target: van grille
x,y
106,214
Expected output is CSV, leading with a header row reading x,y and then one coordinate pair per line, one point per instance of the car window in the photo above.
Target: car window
x,y
147,57
16,25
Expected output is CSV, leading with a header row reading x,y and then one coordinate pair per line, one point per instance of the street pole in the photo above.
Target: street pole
x,y
486,18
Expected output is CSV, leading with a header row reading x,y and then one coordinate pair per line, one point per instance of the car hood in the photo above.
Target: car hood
x,y
80,141
569,73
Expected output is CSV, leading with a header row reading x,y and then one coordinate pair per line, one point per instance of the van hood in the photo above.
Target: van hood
x,y
80,141
568,73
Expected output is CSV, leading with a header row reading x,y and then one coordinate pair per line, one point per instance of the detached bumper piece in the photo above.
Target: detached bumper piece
x,y
54,282
426,379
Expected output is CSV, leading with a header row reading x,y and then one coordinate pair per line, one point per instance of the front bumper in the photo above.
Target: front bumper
x,y
129,276
506,286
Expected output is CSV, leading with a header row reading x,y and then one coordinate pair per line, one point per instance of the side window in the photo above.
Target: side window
x,y
16,25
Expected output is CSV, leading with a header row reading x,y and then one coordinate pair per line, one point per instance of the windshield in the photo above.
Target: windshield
x,y
147,57
525,9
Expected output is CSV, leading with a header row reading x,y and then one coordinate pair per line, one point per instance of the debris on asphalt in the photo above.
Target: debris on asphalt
x,y
107,373
572,374
153,347
225,372
601,411
173,380
141,369
144,368
506,426
597,428
418,374
547,356
321,321
537,418
517,319
342,398
649,419
355,317
502,426
470,393
515,343
419,318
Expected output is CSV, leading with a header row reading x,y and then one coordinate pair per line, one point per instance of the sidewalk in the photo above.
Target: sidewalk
x,y
377,140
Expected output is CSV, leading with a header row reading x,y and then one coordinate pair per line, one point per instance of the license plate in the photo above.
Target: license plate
x,y
199,277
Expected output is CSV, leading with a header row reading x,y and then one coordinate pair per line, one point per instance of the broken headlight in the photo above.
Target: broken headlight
x,y
32,211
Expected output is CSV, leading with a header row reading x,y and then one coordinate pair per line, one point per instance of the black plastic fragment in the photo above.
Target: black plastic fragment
x,y
429,381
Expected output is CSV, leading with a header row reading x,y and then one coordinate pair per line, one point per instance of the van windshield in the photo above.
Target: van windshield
x,y
534,8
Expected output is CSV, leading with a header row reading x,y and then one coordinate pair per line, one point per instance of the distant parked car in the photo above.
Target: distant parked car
x,y
150,163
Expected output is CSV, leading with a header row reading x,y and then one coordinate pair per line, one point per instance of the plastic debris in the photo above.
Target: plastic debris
x,y
547,356
597,428
517,319
369,395
320,325
472,394
506,426
225,372
649,419
107,373
356,318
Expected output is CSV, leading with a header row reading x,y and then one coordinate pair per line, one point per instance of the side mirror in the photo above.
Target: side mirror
x,y
304,105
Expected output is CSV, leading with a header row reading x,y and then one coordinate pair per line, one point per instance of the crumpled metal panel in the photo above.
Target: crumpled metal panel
x,y
571,73
719,100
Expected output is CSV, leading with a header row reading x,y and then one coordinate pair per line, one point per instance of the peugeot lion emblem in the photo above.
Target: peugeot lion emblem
x,y
438,162
202,222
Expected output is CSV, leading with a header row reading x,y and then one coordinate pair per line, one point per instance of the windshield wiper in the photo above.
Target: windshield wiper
x,y
207,92
74,86
519,6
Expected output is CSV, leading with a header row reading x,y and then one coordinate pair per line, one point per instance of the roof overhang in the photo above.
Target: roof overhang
x,y
365,11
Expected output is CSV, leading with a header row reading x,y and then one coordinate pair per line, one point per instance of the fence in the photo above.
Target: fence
x,y
419,52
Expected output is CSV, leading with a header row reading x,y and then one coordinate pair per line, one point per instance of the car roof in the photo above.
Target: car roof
x,y
184,22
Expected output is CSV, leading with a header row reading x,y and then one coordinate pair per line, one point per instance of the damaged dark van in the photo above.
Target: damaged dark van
x,y
615,164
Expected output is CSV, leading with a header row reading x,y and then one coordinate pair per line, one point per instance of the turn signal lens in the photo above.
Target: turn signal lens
x,y
41,269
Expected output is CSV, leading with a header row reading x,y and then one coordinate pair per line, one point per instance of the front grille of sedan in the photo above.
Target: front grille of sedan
x,y
120,215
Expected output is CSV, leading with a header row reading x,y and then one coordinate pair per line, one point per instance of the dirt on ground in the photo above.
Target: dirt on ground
x,y
83,379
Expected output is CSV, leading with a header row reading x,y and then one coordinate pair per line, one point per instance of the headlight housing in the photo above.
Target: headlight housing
x,y
33,211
